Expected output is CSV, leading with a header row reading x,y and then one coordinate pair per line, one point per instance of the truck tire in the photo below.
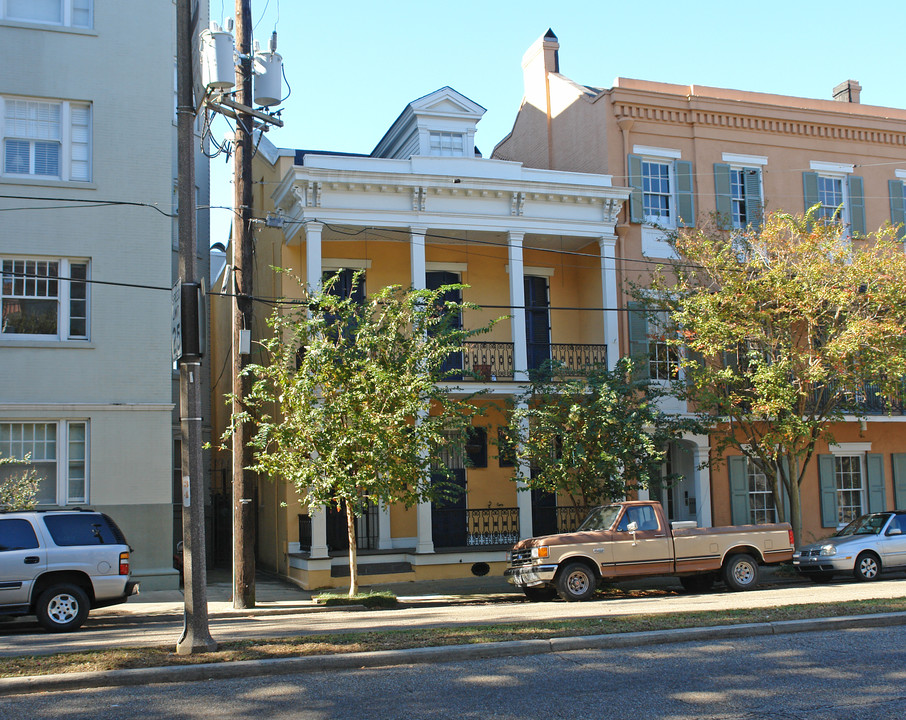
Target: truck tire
x,y
542,593
576,582
867,567
62,608
697,583
741,572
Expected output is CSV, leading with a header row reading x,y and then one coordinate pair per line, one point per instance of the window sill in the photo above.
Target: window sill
x,y
47,27
67,344
46,182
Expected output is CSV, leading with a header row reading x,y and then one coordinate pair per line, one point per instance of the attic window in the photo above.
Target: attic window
x,y
447,144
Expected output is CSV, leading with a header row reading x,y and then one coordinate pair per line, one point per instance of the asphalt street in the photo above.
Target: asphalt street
x,y
842,675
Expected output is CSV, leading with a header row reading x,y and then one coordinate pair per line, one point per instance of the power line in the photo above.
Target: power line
x,y
82,202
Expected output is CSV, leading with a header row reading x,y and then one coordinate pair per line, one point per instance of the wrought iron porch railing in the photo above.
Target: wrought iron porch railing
x,y
483,526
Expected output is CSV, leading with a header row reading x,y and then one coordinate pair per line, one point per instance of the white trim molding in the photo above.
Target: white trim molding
x,y
831,167
746,160
850,448
647,150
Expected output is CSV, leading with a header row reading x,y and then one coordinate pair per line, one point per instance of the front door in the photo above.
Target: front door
x,y
448,514
544,513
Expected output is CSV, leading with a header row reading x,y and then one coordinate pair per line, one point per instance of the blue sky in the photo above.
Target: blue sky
x,y
353,65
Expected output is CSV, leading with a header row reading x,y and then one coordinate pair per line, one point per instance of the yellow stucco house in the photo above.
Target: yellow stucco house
x,y
424,209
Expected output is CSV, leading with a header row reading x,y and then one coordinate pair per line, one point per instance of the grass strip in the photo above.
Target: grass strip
x,y
327,644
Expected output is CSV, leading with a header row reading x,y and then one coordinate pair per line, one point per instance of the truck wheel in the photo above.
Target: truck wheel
x,y
697,583
62,608
868,567
741,572
576,582
542,593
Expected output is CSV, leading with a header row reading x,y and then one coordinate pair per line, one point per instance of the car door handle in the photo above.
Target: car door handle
x,y
32,560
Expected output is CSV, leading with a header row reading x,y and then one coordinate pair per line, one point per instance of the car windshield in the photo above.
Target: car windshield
x,y
601,518
865,525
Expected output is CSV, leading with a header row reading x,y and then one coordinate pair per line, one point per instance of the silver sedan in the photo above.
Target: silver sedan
x,y
869,545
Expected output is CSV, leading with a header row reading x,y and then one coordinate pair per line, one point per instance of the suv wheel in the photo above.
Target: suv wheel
x,y
62,608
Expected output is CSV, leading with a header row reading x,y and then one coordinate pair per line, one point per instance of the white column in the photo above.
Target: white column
x,y
607,244
313,280
524,496
417,256
313,255
385,541
702,479
417,262
517,306
319,534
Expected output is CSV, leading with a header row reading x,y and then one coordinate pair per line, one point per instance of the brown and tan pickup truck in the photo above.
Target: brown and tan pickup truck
x,y
631,540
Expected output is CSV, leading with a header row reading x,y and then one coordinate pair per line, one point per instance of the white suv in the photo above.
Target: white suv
x,y
58,564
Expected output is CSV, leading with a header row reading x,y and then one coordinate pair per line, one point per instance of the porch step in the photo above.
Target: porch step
x,y
387,568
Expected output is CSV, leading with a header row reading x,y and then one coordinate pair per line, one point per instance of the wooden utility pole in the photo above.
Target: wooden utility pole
x,y
244,484
196,636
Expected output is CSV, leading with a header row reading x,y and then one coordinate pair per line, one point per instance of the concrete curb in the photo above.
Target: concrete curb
x,y
383,658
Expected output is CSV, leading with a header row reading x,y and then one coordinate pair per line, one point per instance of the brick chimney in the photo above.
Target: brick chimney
x,y
848,91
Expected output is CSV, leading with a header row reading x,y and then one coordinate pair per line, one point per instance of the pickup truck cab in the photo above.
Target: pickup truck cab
x,y
58,564
630,540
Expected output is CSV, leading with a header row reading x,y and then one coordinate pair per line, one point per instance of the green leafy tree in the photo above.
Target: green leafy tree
x,y
595,438
350,408
18,484
788,330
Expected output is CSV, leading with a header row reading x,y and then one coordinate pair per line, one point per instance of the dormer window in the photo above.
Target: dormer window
x,y
447,144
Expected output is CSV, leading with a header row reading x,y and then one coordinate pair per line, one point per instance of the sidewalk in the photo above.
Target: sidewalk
x,y
276,596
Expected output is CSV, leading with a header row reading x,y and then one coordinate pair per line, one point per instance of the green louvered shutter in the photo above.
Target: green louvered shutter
x,y
722,195
899,480
783,491
810,191
856,205
739,490
877,500
638,339
685,200
828,485
754,202
897,206
636,209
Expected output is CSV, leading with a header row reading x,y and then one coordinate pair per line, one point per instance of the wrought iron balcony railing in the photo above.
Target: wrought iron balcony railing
x,y
492,361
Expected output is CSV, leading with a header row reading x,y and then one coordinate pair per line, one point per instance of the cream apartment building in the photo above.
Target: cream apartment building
x,y
87,133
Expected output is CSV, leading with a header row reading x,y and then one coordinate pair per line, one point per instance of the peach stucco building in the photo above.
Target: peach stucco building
x,y
688,152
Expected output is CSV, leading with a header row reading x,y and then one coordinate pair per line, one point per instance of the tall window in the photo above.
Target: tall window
x,y
44,299
58,454
656,190
663,359
830,195
761,497
46,139
848,477
447,143
68,13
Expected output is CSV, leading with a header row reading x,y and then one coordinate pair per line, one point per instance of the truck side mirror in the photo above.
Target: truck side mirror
x,y
632,527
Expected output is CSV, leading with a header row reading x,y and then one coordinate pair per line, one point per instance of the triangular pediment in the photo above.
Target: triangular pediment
x,y
447,101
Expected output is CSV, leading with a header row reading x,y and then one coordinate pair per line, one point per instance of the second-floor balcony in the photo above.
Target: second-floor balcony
x,y
494,361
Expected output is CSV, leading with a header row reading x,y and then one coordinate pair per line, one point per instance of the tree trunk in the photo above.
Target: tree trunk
x,y
795,503
353,552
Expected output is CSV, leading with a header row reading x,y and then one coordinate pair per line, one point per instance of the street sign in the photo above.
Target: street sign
x,y
176,321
